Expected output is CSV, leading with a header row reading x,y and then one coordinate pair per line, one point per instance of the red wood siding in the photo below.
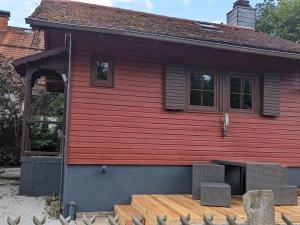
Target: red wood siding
x,y
128,124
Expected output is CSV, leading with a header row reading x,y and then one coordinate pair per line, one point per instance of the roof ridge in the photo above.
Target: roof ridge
x,y
113,20
129,10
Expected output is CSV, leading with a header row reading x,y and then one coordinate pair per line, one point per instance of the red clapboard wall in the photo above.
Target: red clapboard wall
x,y
128,124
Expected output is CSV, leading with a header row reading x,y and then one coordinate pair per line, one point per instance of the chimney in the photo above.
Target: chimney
x,y
242,15
4,17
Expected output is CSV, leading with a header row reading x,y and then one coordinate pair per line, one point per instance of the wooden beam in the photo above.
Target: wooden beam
x,y
26,112
36,153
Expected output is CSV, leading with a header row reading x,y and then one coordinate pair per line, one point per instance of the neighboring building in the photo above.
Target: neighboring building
x,y
16,42
146,95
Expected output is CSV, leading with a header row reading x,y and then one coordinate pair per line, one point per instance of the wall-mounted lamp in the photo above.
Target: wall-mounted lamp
x,y
65,79
226,121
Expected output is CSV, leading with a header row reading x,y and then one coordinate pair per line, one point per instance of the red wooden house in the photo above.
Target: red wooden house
x,y
146,96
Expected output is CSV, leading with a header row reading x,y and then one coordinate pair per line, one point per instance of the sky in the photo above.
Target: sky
x,y
203,10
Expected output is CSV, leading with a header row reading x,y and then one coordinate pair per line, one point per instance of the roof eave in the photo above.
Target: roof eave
x,y
173,39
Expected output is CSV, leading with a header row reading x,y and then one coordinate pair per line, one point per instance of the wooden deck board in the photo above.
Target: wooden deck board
x,y
151,206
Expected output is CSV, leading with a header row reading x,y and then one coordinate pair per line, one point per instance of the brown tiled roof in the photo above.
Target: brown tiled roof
x,y
63,12
18,42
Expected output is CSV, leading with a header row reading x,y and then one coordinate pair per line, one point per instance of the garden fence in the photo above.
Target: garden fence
x,y
207,220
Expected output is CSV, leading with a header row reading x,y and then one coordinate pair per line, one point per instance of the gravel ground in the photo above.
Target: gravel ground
x,y
14,205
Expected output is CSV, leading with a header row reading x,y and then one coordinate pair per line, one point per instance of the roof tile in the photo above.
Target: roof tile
x,y
89,15
18,42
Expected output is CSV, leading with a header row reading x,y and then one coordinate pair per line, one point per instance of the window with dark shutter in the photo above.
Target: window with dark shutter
x,y
175,87
242,93
202,90
271,95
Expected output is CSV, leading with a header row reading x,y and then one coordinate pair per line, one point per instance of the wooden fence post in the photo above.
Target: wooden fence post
x,y
259,206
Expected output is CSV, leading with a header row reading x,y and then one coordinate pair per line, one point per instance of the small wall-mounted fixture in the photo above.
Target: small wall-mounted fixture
x,y
65,79
226,121
103,169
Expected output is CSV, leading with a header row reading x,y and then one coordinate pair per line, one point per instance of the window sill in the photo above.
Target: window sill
x,y
243,111
202,109
102,84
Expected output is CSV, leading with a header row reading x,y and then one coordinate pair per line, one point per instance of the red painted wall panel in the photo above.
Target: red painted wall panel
x,y
128,124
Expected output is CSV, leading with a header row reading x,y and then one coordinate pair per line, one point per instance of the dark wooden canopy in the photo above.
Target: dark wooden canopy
x,y
51,64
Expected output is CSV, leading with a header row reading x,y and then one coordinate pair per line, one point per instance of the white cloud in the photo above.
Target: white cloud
x,y
149,5
186,2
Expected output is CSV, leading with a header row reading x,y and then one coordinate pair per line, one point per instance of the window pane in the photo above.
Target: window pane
x,y
196,81
235,85
208,98
247,86
102,70
202,90
208,82
247,102
195,98
235,101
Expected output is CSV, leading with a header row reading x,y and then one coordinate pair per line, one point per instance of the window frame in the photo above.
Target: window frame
x,y
255,92
102,83
216,107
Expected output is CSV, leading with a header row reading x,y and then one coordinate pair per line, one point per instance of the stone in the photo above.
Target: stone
x,y
54,209
259,206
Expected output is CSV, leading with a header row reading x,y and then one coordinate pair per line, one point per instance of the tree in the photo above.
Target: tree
x,y
280,18
11,97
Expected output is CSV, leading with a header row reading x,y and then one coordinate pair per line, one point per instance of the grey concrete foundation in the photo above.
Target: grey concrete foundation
x,y
92,190
40,176
294,176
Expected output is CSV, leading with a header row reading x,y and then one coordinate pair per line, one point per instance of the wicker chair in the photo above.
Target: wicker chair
x,y
263,176
212,173
285,195
271,177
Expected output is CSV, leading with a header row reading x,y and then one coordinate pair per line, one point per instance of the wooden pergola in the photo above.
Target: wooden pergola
x,y
51,64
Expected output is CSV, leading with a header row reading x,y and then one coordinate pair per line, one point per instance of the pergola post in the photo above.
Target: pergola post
x,y
25,142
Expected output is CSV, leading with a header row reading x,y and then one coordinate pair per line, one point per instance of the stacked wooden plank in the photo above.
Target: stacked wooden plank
x,y
126,213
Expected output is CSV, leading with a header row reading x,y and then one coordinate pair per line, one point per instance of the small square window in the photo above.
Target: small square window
x,y
102,71
202,90
241,93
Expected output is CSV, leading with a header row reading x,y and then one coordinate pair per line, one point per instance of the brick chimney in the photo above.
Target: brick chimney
x,y
242,15
4,17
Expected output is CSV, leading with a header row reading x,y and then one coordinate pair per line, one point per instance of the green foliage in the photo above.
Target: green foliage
x,y
44,138
280,18
11,95
11,90
46,107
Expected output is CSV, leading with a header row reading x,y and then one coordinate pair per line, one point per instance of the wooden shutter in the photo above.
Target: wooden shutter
x,y
175,87
271,95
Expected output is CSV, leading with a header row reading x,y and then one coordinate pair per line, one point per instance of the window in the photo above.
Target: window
x,y
102,71
202,90
188,87
241,93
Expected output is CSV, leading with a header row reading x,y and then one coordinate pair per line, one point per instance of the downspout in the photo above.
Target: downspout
x,y
66,135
